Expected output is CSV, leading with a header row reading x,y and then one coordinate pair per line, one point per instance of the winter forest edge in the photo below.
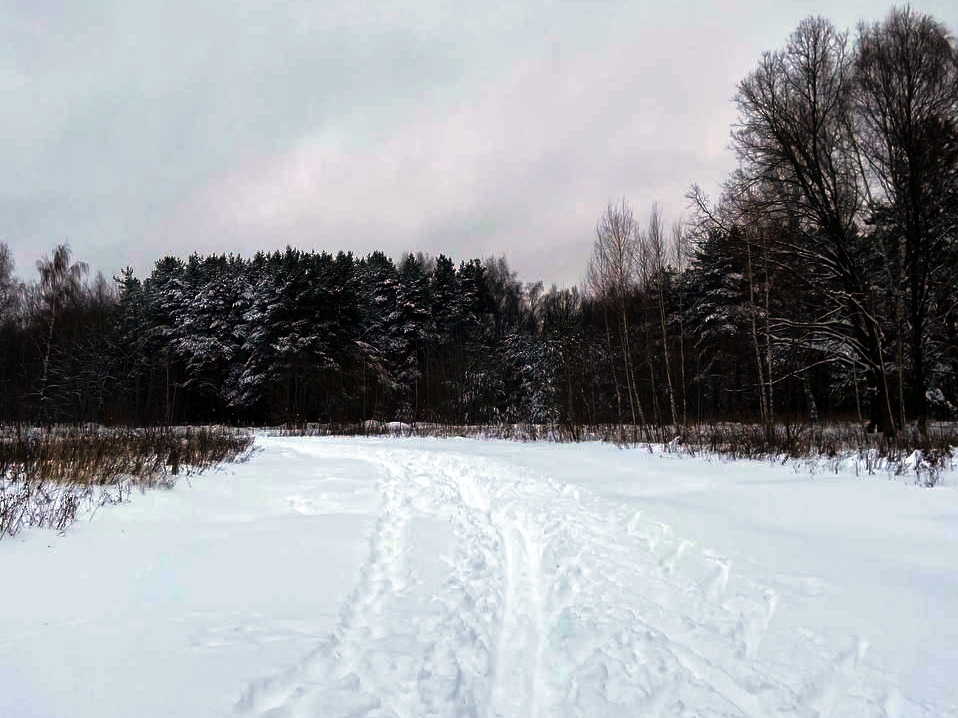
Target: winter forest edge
x,y
820,286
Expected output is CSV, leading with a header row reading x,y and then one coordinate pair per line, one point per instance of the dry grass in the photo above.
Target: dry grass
x,y
47,476
832,445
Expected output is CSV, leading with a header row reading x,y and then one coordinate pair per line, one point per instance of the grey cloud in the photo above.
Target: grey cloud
x,y
522,167
135,129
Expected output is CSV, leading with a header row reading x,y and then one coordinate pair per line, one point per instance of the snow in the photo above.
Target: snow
x,y
407,577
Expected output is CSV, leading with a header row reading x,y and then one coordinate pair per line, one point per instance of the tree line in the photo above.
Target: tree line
x,y
820,285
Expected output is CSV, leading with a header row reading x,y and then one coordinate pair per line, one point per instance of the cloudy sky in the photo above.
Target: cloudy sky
x,y
134,129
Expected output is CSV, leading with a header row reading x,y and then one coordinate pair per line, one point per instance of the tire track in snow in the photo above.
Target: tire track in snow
x,y
556,604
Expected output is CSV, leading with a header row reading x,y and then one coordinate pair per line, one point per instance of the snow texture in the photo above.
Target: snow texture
x,y
396,577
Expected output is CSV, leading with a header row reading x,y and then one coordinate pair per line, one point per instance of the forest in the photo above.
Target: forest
x,y
820,286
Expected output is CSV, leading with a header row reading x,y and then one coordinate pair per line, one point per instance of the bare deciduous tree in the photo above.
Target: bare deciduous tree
x,y
797,145
680,253
8,288
611,276
653,255
906,70
60,284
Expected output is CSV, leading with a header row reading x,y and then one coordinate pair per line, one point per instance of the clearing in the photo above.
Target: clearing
x,y
407,577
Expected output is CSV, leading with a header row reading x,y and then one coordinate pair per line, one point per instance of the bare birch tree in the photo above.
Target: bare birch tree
x,y
8,288
611,276
680,254
60,284
654,261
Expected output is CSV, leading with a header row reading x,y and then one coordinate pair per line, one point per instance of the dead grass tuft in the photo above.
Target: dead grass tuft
x,y
46,476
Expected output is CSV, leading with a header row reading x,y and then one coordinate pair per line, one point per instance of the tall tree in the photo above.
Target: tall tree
x,y
796,142
680,250
60,284
906,70
8,287
10,337
611,277
653,255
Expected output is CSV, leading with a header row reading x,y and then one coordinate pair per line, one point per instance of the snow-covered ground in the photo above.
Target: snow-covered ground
x,y
409,577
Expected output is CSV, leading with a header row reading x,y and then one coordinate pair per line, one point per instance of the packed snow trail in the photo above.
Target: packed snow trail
x,y
494,591
407,577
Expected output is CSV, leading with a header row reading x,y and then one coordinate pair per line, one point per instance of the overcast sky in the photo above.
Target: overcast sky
x,y
135,129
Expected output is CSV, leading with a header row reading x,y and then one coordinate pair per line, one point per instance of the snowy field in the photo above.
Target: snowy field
x,y
405,577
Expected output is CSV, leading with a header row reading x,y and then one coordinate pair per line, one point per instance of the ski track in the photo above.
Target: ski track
x,y
556,603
